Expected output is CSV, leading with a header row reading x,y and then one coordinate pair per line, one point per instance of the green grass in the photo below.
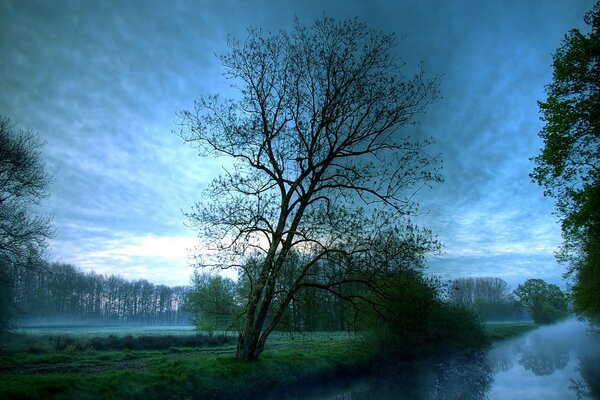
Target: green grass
x,y
37,368
507,330
198,372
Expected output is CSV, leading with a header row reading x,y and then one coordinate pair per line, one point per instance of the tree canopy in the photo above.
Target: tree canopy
x,y
545,302
211,301
320,165
568,167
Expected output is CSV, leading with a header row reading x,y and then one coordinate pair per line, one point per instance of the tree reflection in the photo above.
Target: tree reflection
x,y
500,359
588,387
543,358
463,377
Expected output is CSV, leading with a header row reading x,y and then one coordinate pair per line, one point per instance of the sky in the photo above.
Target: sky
x,y
101,83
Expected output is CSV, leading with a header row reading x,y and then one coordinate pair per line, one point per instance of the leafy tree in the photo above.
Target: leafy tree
x,y
568,166
408,316
545,302
23,183
319,162
211,300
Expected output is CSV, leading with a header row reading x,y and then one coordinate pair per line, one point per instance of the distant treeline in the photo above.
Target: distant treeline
x,y
54,292
216,303
488,297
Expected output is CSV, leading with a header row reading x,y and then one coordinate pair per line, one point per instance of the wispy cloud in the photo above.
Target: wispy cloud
x,y
101,82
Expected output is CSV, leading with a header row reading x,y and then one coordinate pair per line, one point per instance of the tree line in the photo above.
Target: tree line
x,y
491,300
58,292
216,302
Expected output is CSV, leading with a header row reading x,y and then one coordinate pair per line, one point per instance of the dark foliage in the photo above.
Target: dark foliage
x,y
568,167
546,303
409,319
130,342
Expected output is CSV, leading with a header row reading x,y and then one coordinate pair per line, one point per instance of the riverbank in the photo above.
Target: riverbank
x,y
176,373
205,371
506,330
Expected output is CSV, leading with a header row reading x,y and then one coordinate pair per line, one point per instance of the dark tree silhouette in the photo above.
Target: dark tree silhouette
x,y
319,166
568,166
23,183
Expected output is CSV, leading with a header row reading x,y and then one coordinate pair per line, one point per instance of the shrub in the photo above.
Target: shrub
x,y
130,342
407,318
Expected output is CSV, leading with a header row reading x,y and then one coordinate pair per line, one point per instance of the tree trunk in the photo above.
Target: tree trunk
x,y
250,343
248,348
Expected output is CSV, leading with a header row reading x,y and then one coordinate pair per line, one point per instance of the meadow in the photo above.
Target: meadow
x,y
176,362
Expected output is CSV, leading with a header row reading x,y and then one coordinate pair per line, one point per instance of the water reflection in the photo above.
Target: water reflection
x,y
543,359
554,362
588,386
458,378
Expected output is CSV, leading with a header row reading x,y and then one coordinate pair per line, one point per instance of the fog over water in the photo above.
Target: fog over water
x,y
560,361
554,362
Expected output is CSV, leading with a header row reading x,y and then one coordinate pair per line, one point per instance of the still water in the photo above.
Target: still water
x,y
554,362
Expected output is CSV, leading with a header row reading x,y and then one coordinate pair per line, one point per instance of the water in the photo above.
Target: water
x,y
554,362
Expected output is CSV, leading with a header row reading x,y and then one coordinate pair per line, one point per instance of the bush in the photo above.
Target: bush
x,y
408,318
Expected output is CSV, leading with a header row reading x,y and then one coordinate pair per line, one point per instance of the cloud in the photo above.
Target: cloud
x,y
101,82
160,259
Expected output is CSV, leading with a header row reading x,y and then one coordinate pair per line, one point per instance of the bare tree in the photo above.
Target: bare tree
x,y
320,165
23,182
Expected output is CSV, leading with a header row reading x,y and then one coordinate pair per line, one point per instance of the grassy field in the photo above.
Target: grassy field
x,y
82,363
171,363
507,330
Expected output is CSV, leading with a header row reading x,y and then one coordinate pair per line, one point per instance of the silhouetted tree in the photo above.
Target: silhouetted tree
x,y
319,162
406,312
545,302
23,183
568,166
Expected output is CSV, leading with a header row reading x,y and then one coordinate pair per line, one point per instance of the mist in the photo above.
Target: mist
x,y
560,361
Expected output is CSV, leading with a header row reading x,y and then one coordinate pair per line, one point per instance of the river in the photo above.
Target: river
x,y
559,361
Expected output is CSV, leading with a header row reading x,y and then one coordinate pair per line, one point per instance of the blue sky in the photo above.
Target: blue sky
x,y
101,83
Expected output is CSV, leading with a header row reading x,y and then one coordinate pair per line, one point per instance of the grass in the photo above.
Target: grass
x,y
135,366
190,372
507,330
